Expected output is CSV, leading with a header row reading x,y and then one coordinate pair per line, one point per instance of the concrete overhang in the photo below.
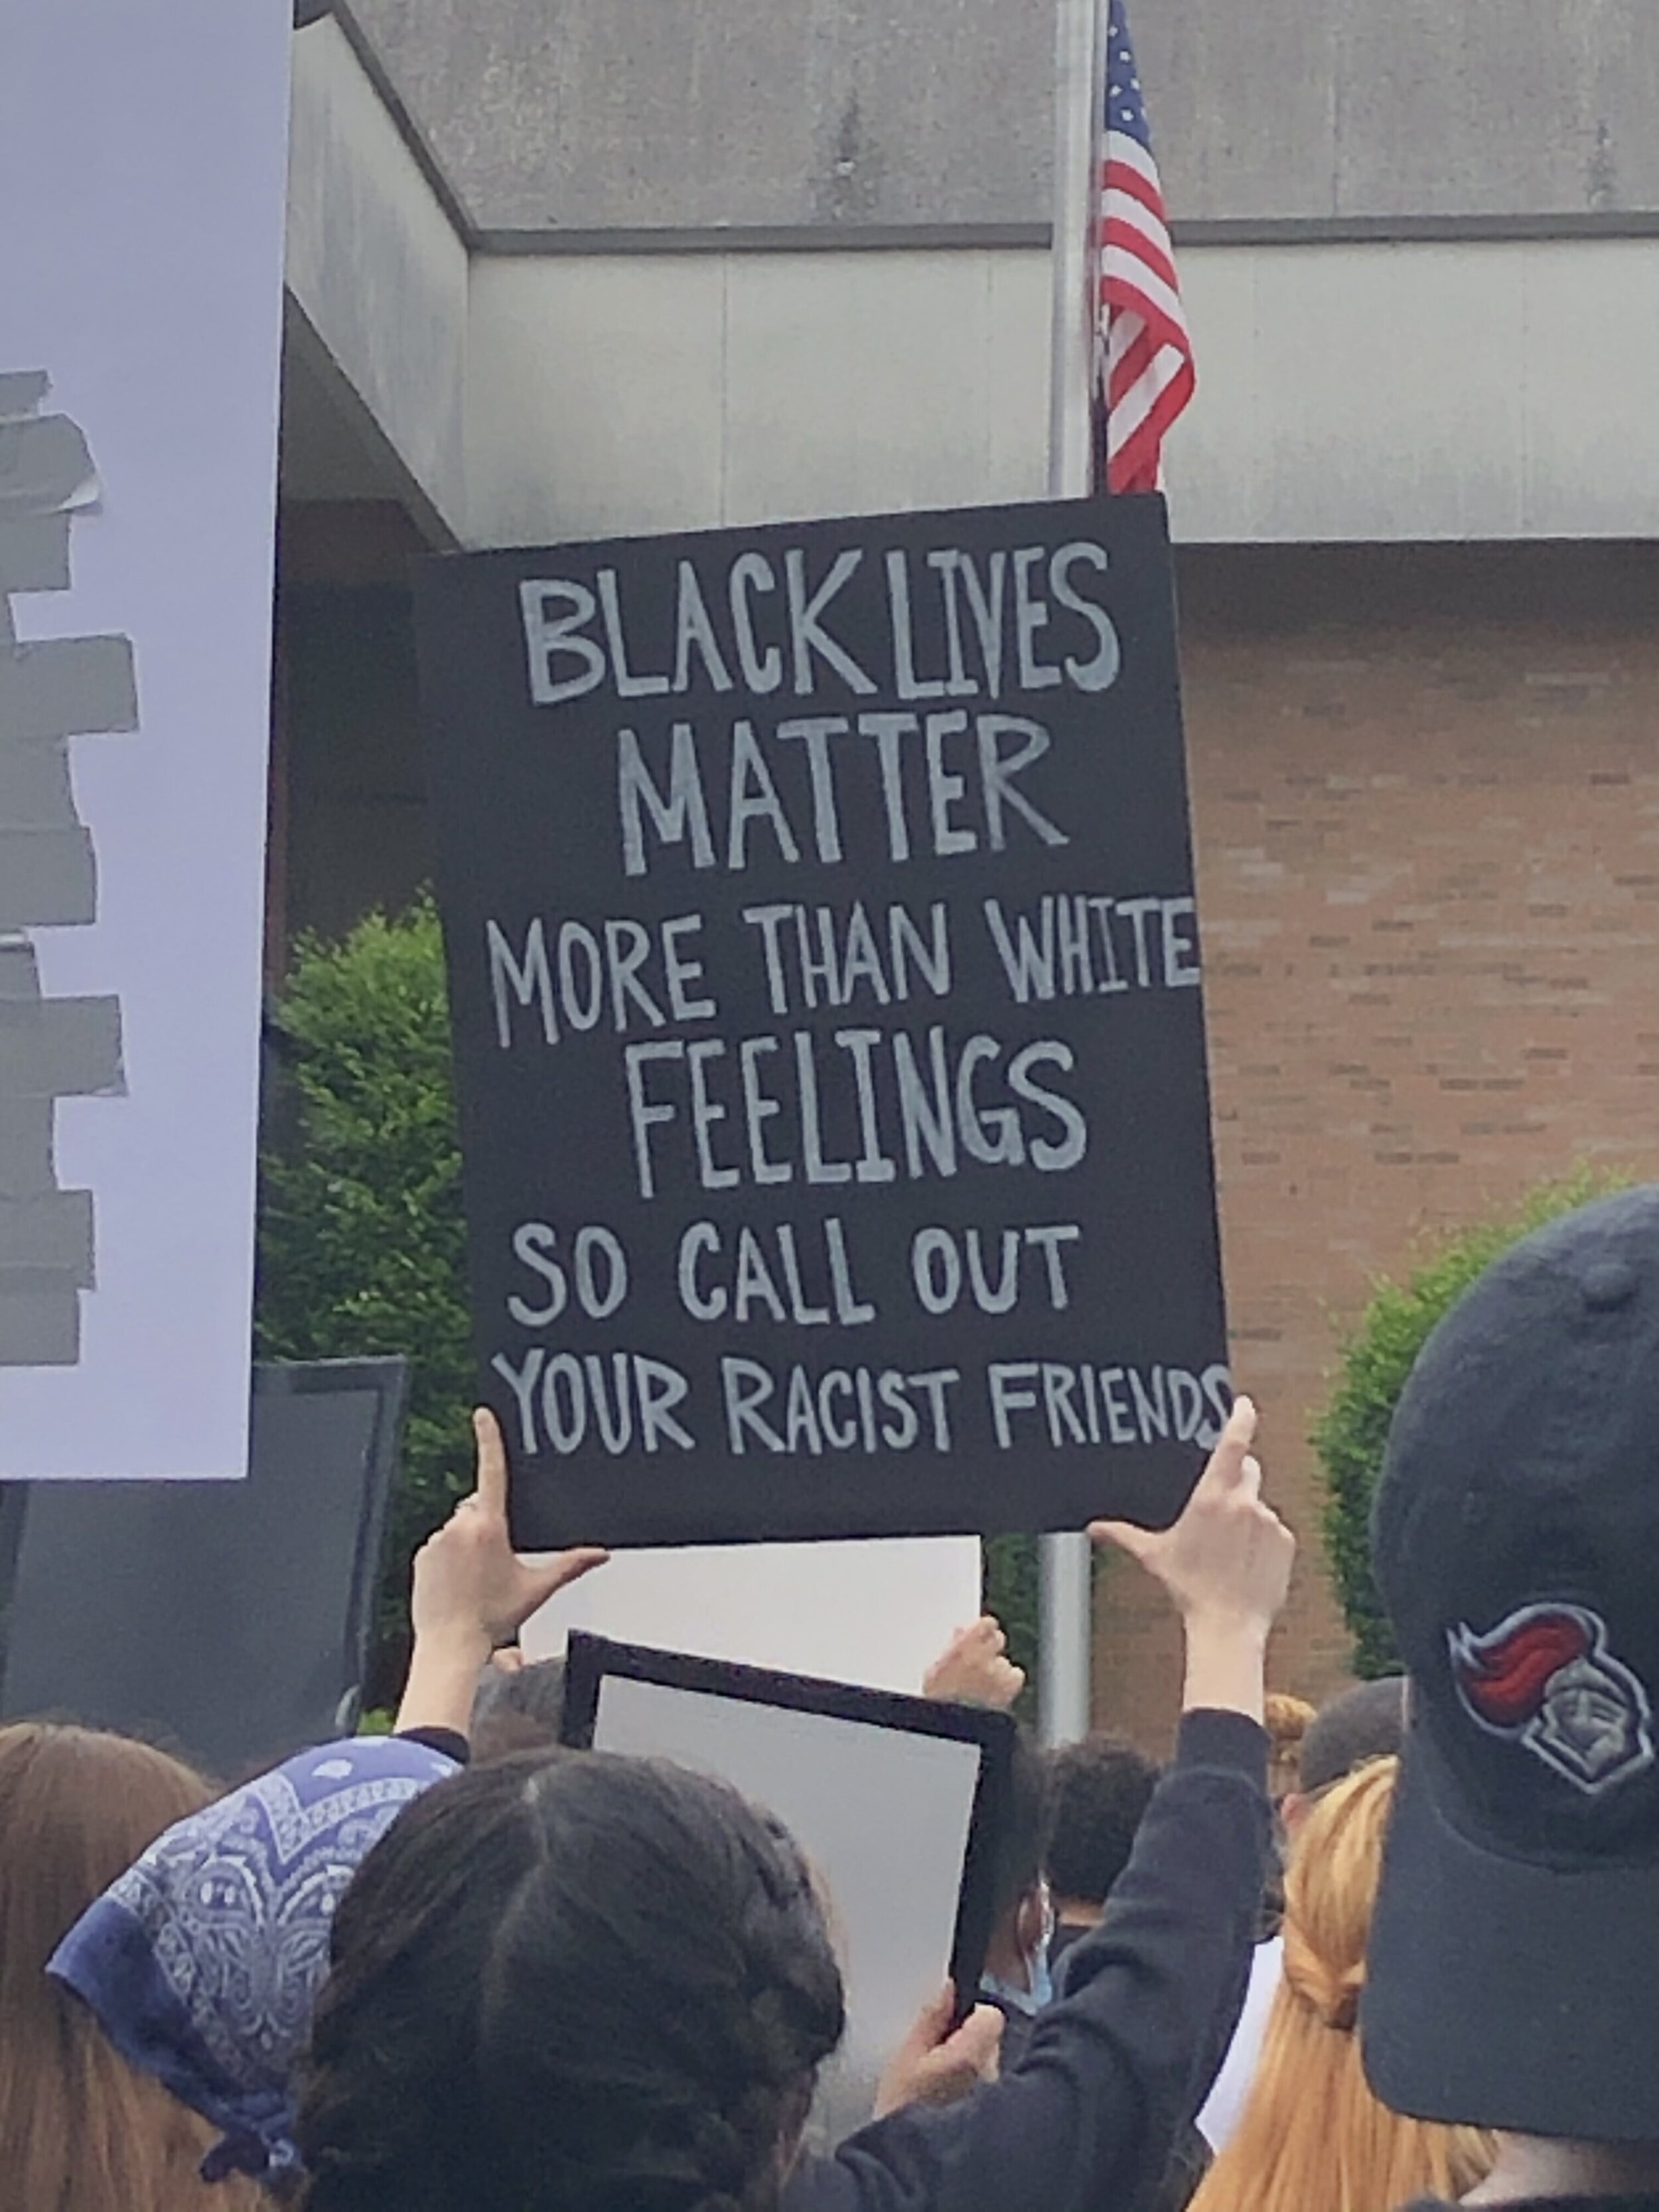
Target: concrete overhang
x,y
375,341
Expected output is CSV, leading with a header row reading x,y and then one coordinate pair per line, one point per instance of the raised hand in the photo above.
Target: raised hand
x,y
975,1669
471,1591
467,1576
936,2064
1226,1565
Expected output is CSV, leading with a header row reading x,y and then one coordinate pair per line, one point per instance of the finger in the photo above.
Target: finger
x,y
977,2041
491,1486
1123,1536
1249,1477
546,1579
1225,1469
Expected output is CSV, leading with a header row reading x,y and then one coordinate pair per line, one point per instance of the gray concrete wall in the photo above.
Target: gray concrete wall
x,y
860,116
1349,389
1482,389
1473,389
377,278
1354,110
635,393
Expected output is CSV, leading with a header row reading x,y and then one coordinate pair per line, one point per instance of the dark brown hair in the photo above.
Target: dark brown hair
x,y
79,2130
1097,1792
568,1983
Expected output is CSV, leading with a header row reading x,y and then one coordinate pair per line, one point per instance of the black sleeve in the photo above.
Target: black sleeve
x,y
447,1742
1088,2118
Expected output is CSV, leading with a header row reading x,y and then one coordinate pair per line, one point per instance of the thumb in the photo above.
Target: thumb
x,y
931,2024
1123,1536
545,1579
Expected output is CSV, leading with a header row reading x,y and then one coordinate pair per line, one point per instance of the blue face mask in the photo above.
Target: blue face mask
x,y
1039,1989
1028,2001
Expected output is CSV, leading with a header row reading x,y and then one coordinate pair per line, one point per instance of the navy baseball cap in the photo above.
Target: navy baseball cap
x,y
1513,1980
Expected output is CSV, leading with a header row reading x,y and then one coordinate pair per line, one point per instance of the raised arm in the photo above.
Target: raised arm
x,y
1089,2117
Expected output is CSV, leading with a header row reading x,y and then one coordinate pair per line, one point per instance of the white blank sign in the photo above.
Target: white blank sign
x,y
877,1612
882,1814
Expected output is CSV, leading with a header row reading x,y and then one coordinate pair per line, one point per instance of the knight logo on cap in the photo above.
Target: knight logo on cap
x,y
1546,1678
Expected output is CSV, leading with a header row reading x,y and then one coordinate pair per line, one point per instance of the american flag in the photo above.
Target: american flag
x,y
1145,355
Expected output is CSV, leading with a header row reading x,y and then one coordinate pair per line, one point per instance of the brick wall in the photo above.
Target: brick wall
x,y
1425,787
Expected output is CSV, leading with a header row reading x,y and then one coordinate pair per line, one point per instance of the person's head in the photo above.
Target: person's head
x,y
1367,1722
1016,1962
80,2129
1097,1792
517,1709
1311,2132
569,1983
201,1960
1516,1545
1288,1720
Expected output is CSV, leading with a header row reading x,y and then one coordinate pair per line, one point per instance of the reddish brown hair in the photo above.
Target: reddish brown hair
x,y
79,2130
1288,1720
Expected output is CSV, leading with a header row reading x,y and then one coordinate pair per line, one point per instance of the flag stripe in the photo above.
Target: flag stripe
x,y
1129,208
1130,281
1126,249
1150,391
1134,158
1139,458
1118,176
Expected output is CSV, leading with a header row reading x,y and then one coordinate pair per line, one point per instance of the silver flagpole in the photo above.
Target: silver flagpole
x,y
1064,1565
1077,138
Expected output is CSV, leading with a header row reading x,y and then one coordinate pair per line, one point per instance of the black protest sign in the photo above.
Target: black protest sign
x,y
828,1025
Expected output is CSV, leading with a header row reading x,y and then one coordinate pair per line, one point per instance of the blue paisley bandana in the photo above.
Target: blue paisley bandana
x,y
203,1962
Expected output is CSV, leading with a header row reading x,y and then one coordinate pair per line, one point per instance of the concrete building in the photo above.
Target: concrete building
x,y
561,270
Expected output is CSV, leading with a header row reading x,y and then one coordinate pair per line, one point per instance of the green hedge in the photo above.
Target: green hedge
x,y
361,1243
1350,1434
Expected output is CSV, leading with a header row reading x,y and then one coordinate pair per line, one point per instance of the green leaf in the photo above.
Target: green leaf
x,y
1350,1436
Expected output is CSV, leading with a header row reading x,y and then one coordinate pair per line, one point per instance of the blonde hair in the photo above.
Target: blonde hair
x,y
79,2130
1312,2135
